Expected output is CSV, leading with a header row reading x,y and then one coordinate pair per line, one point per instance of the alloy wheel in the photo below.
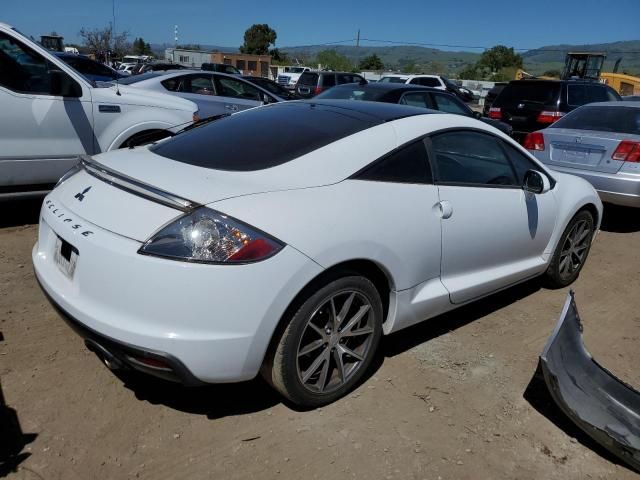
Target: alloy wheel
x,y
335,342
574,249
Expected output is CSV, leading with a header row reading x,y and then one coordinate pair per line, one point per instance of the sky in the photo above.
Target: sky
x,y
467,23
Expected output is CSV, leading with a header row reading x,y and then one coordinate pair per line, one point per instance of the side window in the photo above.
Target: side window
x,y
22,69
612,95
201,85
345,78
597,93
328,80
468,157
448,104
416,100
230,87
173,84
409,164
520,162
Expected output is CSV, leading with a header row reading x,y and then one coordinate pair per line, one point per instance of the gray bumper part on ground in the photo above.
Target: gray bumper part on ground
x,y
604,407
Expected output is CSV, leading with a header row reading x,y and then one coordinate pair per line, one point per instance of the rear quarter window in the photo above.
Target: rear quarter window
x,y
529,91
308,78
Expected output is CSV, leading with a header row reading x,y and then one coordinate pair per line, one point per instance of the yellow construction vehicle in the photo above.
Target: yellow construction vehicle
x,y
588,66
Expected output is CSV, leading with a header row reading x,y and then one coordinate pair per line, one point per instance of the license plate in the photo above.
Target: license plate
x,y
65,257
575,156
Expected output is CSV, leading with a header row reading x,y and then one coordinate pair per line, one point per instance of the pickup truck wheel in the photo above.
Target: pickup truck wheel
x,y
145,138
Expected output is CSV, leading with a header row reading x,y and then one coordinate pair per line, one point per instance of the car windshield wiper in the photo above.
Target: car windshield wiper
x,y
202,122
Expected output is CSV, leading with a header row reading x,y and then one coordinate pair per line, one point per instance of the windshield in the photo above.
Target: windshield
x,y
268,85
351,92
602,119
392,80
294,69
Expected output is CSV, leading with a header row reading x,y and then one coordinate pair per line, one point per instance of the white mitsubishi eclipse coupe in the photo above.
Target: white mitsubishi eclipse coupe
x,y
287,239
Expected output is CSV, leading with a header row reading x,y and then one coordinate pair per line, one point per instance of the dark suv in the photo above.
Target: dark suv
x,y
530,105
311,84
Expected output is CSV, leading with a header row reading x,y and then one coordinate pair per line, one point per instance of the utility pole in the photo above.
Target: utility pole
x,y
175,36
358,39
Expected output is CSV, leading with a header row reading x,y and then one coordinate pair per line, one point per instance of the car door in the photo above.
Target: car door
x,y
46,116
237,94
493,233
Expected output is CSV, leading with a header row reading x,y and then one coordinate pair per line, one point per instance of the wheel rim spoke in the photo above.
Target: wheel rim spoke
x,y
337,356
311,347
356,333
344,310
322,381
345,350
356,319
313,368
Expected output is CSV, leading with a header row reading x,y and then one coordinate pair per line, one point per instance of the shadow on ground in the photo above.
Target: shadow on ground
x,y
539,397
617,219
12,439
19,212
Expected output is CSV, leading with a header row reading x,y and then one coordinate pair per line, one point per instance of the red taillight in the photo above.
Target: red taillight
x,y
317,90
627,151
495,113
534,141
549,116
254,250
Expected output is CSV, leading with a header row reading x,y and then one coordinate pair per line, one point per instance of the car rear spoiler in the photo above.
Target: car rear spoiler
x,y
604,407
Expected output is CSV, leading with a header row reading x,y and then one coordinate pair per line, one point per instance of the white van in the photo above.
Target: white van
x,y
50,114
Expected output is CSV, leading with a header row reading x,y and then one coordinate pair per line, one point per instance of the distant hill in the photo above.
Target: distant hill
x,y
431,59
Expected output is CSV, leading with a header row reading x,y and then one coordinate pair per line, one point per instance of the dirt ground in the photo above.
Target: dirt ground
x,y
453,398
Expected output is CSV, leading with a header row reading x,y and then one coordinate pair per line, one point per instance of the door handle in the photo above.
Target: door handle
x,y
233,108
446,210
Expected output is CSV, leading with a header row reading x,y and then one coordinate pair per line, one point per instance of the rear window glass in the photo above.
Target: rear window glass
x,y
602,119
254,140
426,81
530,91
308,78
392,80
351,93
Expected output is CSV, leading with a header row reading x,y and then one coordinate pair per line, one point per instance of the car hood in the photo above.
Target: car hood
x,y
143,98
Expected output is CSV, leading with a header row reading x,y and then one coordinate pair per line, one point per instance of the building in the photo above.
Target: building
x,y
257,65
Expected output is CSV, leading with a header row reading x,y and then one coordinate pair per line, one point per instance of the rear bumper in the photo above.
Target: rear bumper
x,y
616,188
604,407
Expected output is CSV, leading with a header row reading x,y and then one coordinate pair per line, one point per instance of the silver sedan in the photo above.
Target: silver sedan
x,y
214,93
599,142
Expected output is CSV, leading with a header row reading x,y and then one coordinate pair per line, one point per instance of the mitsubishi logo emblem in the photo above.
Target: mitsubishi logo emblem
x,y
80,195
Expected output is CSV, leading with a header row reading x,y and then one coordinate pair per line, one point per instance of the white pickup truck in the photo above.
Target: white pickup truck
x,y
50,114
291,75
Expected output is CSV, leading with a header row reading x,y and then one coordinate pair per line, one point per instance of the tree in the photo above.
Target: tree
x,y
372,62
258,38
470,72
499,57
101,41
332,60
279,57
140,47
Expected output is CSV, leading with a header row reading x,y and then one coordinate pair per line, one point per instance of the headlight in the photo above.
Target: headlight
x,y
293,81
211,237
70,173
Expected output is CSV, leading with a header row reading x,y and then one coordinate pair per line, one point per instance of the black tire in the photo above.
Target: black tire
x,y
561,274
285,373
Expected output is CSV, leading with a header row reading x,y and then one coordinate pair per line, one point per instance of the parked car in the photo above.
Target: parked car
x,y
529,105
289,78
221,253
127,68
413,95
434,81
599,142
492,94
214,93
90,69
272,87
311,84
50,114
221,68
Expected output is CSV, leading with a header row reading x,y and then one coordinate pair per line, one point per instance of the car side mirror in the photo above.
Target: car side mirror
x,y
477,115
62,85
536,182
